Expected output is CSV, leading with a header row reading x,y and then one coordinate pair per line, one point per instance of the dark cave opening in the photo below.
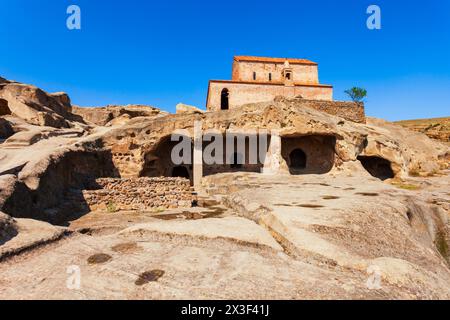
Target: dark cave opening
x,y
378,167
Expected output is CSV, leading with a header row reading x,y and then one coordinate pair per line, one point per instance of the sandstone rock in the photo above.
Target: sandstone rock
x,y
133,149
7,187
36,106
291,118
7,228
103,115
224,228
333,224
438,128
184,108
28,234
6,129
63,98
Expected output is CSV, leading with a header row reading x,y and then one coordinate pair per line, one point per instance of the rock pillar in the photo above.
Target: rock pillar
x,y
273,157
197,167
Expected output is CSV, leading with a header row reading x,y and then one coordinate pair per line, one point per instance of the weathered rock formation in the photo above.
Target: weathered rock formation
x,y
35,106
7,228
335,198
438,128
6,129
101,116
141,147
184,108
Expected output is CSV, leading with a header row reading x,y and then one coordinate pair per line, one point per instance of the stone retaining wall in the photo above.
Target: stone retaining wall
x,y
345,109
140,194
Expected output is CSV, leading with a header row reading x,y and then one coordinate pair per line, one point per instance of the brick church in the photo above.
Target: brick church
x,y
259,79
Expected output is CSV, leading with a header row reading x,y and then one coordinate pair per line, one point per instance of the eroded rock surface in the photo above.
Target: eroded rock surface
x,y
103,116
309,237
353,211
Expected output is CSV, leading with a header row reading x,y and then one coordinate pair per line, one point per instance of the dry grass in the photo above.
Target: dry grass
x,y
406,186
436,128
414,173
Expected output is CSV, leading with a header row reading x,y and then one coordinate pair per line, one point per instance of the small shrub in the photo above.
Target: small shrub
x,y
356,94
111,207
406,186
159,210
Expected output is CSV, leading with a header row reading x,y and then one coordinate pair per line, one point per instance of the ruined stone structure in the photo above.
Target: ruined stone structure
x,y
143,194
134,142
258,79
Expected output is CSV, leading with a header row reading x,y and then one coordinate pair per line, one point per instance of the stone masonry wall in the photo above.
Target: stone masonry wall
x,y
345,109
140,194
307,74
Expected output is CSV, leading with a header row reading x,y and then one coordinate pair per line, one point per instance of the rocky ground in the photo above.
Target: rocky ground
x,y
308,237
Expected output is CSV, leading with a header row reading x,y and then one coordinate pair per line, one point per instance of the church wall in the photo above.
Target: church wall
x,y
241,93
243,71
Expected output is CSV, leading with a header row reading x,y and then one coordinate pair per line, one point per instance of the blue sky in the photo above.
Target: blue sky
x,y
164,52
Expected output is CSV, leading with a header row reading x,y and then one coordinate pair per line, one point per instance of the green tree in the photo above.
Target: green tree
x,y
356,94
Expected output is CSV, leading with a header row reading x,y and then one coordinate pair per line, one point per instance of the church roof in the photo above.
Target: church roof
x,y
273,60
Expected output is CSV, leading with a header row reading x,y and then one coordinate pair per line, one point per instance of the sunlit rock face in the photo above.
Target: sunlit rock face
x,y
332,197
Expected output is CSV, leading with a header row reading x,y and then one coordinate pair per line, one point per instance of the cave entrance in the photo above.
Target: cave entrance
x,y
158,161
297,159
4,108
180,172
234,152
378,167
311,154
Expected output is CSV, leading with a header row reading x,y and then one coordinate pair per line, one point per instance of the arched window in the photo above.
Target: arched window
x,y
224,99
297,159
270,77
254,75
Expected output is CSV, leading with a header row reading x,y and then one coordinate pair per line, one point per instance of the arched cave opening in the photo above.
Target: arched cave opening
x,y
311,154
297,159
247,157
158,162
378,167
